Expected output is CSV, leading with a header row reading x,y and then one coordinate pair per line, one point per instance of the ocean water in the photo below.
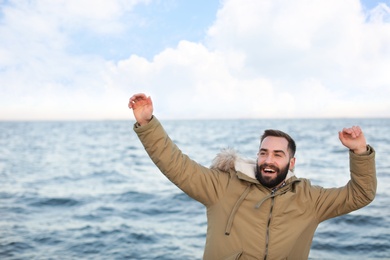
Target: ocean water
x,y
88,190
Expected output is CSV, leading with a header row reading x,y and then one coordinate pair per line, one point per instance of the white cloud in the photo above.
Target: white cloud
x,y
39,77
295,40
291,59
259,59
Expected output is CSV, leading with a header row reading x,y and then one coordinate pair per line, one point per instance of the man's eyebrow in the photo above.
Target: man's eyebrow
x,y
275,151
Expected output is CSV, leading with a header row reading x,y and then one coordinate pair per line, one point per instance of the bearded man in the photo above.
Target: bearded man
x,y
258,210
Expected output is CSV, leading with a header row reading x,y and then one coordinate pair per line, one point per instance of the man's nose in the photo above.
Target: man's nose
x,y
269,159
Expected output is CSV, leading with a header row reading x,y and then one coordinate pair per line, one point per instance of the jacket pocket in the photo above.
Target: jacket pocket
x,y
234,256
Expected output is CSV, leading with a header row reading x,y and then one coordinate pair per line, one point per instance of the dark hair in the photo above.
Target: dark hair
x,y
277,133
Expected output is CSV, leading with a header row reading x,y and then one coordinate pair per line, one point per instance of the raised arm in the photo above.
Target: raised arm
x,y
361,188
199,182
142,108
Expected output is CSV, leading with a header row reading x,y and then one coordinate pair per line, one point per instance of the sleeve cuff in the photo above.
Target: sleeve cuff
x,y
368,151
137,125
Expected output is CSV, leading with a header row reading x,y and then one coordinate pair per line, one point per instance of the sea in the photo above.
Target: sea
x,y
88,190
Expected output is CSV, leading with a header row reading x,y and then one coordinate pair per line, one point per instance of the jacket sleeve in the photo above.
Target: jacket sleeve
x,y
199,182
359,191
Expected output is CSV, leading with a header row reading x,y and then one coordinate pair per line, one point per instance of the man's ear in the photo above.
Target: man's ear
x,y
292,164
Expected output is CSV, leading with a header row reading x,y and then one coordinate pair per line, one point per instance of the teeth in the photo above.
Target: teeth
x,y
269,170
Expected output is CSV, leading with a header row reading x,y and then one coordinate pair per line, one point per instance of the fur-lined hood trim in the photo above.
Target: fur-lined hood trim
x,y
229,159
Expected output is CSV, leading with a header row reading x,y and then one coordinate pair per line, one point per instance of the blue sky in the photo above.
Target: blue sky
x,y
83,59
154,26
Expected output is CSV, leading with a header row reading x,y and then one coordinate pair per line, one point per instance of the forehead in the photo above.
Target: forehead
x,y
274,143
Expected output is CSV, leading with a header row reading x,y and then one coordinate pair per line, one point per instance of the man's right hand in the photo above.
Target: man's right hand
x,y
142,108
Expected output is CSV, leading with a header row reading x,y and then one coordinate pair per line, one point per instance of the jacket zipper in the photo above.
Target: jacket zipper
x,y
268,225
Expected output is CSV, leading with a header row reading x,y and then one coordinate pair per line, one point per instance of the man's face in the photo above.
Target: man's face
x,y
273,161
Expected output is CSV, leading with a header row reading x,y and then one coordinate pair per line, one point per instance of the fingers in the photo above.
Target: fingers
x,y
353,138
354,131
136,98
357,131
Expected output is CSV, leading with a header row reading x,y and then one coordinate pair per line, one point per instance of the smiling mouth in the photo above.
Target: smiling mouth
x,y
268,171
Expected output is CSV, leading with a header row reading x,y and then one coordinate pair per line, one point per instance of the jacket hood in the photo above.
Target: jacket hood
x,y
229,159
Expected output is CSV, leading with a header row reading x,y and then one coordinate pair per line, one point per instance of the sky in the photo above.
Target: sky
x,y
199,59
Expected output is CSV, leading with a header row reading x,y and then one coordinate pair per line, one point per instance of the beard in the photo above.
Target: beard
x,y
270,182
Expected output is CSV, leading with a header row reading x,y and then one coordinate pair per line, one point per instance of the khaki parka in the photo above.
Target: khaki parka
x,y
247,220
